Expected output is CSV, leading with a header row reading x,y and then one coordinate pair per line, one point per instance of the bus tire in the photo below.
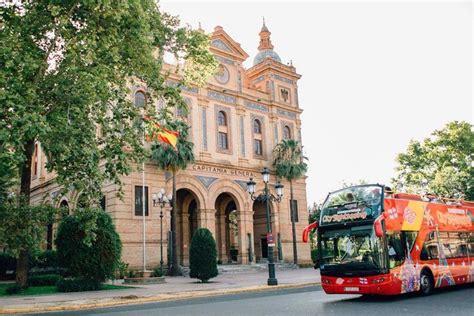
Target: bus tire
x,y
426,282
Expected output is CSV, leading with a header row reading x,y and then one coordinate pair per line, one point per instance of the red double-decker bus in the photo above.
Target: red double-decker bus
x,y
374,242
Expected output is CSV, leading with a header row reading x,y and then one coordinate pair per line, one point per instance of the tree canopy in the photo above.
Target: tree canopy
x,y
441,164
172,159
67,73
288,160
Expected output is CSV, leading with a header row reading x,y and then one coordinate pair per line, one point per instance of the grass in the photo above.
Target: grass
x,y
40,290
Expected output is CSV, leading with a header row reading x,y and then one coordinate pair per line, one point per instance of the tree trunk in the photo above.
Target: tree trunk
x,y
174,256
293,225
25,169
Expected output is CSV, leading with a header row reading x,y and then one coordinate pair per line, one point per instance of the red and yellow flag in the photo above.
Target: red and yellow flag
x,y
161,134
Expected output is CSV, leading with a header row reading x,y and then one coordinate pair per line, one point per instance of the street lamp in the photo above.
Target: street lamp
x,y
162,200
267,197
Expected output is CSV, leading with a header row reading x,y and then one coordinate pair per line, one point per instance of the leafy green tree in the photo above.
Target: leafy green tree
x,y
7,174
21,231
203,256
66,68
314,215
290,164
88,245
173,160
442,164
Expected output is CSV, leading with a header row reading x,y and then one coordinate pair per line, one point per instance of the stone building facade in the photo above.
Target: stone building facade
x,y
236,121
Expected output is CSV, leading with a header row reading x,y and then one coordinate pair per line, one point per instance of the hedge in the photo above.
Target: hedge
x,y
44,280
78,285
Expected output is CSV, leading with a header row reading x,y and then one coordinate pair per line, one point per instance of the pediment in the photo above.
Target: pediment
x,y
223,44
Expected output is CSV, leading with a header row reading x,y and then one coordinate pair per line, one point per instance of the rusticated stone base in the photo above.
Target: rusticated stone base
x,y
150,280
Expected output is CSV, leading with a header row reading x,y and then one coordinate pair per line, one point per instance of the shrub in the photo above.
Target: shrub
x,y
47,259
78,285
14,289
131,274
203,255
88,245
157,272
7,263
314,255
121,269
44,280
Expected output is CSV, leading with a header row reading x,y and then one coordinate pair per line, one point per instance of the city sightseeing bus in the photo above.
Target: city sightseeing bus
x,y
374,242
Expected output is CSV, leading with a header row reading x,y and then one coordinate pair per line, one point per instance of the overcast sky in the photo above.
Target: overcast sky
x,y
375,74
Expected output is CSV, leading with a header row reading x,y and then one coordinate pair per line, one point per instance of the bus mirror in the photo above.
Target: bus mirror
x,y
309,228
378,225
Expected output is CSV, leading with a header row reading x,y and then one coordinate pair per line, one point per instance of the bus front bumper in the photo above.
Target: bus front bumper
x,y
382,284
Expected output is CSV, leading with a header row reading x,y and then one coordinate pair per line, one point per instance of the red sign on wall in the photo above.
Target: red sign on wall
x,y
270,240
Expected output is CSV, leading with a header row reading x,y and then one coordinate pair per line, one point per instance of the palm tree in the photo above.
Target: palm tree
x,y
172,160
290,164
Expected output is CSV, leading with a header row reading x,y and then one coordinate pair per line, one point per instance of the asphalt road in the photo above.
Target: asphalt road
x,y
305,301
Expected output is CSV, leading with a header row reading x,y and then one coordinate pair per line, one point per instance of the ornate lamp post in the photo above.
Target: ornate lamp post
x,y
162,200
267,197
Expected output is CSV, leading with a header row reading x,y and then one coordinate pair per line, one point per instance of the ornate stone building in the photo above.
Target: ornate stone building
x,y
236,121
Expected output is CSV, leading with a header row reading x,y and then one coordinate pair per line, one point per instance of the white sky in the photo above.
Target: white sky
x,y
375,74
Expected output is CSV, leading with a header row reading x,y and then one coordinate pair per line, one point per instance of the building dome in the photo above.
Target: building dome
x,y
264,54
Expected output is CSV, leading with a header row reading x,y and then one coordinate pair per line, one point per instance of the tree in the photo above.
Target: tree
x,y
22,229
170,159
442,164
95,259
203,256
290,164
66,68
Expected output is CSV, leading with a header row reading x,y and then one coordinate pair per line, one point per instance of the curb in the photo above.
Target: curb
x,y
119,301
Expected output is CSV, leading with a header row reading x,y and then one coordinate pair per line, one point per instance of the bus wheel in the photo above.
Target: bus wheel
x,y
426,283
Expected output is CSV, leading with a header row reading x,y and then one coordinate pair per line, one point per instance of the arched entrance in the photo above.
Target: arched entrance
x,y
227,230
260,231
186,223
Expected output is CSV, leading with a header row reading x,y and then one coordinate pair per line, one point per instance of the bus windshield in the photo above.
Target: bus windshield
x,y
351,204
351,250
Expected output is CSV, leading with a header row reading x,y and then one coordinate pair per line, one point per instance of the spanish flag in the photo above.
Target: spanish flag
x,y
161,134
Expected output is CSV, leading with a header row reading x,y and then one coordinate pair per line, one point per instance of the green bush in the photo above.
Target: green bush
x,y
315,255
88,245
14,289
78,285
44,280
7,263
121,269
203,255
131,274
157,272
47,259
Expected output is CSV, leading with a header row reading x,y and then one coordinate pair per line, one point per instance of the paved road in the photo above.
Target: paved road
x,y
306,301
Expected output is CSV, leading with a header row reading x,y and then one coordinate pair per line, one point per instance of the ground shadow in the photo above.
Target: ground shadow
x,y
402,297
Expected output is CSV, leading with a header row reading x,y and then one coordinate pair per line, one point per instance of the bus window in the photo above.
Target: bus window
x,y
395,250
430,247
410,238
471,245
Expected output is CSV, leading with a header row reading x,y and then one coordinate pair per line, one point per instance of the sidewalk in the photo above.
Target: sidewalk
x,y
175,288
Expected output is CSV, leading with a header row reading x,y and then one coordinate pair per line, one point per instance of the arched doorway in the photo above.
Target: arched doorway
x,y
186,223
227,230
260,231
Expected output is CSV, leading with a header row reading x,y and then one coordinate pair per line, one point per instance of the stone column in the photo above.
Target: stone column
x,y
245,227
222,246
207,219
185,234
